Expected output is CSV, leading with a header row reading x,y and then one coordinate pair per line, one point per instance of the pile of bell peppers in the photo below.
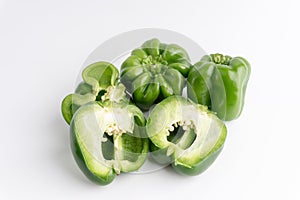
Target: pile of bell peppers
x,y
108,128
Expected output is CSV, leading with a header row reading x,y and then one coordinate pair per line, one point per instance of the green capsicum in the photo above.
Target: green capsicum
x,y
154,72
99,83
220,82
185,134
108,138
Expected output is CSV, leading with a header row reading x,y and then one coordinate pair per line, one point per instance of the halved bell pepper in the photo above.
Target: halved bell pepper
x,y
108,138
220,82
185,134
99,83
154,72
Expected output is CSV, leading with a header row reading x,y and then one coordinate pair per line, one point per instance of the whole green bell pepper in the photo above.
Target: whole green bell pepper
x,y
99,83
185,134
220,82
108,138
154,72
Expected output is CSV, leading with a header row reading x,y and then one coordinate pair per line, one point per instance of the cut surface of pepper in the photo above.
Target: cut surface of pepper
x,y
99,84
108,139
185,134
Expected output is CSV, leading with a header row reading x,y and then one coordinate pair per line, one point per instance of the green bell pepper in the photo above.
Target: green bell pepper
x,y
99,83
220,82
154,72
185,134
108,138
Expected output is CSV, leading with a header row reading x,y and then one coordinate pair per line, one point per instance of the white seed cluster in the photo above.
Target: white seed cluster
x,y
113,129
186,125
107,94
104,97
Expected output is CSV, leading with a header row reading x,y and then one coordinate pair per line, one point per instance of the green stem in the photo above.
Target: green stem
x,y
220,59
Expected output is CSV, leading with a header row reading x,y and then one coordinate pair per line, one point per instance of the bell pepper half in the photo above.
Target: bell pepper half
x,y
185,134
107,139
99,84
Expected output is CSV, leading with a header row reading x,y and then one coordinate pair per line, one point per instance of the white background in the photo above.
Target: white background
x,y
44,43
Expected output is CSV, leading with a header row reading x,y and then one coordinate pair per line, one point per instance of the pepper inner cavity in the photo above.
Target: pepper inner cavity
x,y
100,95
182,134
108,146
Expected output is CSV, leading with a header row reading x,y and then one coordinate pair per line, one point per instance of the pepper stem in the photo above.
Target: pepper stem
x,y
154,60
220,59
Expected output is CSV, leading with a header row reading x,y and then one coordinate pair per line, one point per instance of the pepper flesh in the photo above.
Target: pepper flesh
x,y
154,72
220,83
201,139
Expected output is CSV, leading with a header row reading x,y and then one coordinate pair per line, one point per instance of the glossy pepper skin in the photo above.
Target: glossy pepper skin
x,y
99,83
107,139
154,72
185,134
220,82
